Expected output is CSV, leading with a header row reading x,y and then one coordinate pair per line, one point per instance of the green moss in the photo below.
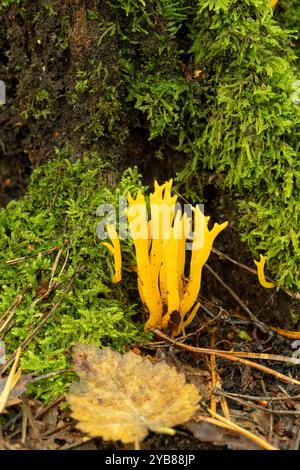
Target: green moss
x,y
7,3
252,130
94,92
38,105
287,12
60,211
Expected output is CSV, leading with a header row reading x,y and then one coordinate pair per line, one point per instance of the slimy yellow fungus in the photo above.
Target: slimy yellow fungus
x,y
191,315
170,252
273,3
115,248
202,244
160,248
261,274
147,279
185,323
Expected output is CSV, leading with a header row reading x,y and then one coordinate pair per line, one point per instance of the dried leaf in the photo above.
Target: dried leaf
x,y
206,432
122,397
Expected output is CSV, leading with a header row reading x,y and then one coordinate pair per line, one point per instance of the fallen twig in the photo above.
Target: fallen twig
x,y
24,258
7,316
257,398
213,402
267,410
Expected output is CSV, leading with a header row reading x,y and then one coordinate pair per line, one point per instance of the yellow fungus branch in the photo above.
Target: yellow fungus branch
x,y
170,251
115,248
189,320
202,244
261,275
147,276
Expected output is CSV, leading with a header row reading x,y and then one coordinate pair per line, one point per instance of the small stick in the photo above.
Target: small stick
x,y
49,375
45,295
225,423
267,410
54,267
65,263
215,378
84,440
225,407
213,402
24,258
256,398
242,354
12,308
7,330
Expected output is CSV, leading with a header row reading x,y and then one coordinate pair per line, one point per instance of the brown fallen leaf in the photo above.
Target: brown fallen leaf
x,y
207,432
122,397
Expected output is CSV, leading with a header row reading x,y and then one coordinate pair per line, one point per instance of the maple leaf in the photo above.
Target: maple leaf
x,y
122,397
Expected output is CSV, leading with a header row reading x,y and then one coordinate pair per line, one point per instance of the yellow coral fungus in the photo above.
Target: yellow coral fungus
x,y
273,3
146,271
201,248
160,247
261,275
115,248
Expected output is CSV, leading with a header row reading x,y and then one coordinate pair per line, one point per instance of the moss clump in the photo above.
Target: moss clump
x,y
252,130
7,3
60,211
287,13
